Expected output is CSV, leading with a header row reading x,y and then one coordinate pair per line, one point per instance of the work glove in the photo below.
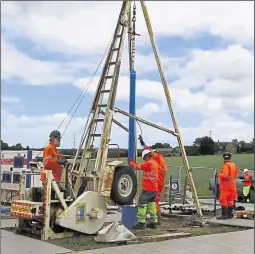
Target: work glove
x,y
62,162
131,162
141,140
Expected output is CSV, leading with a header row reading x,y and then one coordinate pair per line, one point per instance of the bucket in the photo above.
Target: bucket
x,y
128,217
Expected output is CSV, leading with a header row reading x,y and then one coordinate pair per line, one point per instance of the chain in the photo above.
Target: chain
x,y
134,19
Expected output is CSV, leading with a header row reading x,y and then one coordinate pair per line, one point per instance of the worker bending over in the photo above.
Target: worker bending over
x,y
52,159
247,185
149,190
161,175
227,183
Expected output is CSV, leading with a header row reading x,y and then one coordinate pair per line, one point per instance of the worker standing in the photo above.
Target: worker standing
x,y
148,195
161,175
227,183
247,185
52,159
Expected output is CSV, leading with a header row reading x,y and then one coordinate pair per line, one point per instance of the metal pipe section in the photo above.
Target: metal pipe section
x,y
132,110
145,122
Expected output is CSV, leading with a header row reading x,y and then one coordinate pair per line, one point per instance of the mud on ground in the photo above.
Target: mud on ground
x,y
168,225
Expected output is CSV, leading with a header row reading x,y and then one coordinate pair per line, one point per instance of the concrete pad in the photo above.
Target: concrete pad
x,y
227,243
9,223
12,243
235,222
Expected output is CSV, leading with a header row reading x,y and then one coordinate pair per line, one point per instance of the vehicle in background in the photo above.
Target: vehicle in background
x,y
239,185
12,164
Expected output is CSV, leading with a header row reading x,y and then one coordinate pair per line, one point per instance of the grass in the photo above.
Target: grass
x,y
203,168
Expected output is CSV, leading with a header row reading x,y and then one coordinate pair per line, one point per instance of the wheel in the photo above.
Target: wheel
x,y
124,185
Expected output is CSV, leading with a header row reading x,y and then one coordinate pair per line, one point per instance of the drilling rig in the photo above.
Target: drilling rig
x,y
91,184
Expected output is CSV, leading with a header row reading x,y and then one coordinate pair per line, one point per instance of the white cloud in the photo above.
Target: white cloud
x,y
9,99
34,130
16,64
80,27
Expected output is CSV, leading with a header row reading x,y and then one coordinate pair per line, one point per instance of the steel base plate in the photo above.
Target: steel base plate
x,y
76,216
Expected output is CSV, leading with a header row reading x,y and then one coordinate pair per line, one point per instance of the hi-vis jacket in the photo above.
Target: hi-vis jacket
x,y
161,162
228,175
150,174
50,157
248,179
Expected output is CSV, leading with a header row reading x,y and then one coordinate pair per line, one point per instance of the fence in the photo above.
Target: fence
x,y
201,177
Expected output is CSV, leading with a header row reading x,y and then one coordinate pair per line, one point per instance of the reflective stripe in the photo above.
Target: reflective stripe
x,y
46,159
154,179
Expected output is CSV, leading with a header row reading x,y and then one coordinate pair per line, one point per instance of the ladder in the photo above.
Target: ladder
x,y
104,99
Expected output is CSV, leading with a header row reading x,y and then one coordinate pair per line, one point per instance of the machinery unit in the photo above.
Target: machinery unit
x,y
79,204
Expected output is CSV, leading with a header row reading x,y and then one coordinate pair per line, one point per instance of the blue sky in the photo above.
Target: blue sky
x,y
208,62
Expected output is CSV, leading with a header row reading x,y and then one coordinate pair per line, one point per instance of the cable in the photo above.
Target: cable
x,y
82,94
141,131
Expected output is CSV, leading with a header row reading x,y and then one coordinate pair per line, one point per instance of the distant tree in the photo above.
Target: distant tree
x,y
166,145
18,146
191,150
197,142
241,147
206,146
157,145
4,146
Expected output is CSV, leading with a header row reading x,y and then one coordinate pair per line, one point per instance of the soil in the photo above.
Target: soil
x,y
168,225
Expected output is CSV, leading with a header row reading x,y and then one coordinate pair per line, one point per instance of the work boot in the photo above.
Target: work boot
x,y
159,217
152,225
139,226
224,213
230,211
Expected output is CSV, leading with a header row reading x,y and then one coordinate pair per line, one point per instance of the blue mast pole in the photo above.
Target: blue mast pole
x,y
132,110
129,213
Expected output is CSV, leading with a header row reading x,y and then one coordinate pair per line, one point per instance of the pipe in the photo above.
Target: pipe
x,y
132,109
145,122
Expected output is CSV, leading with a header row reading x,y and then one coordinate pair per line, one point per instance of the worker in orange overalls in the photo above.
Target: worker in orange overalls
x,y
227,183
161,175
247,185
52,159
147,204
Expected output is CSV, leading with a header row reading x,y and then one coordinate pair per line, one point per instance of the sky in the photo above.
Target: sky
x,y
50,51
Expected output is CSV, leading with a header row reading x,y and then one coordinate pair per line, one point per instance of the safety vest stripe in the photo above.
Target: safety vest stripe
x,y
45,159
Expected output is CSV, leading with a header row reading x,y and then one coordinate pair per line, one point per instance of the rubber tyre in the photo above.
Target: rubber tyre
x,y
116,196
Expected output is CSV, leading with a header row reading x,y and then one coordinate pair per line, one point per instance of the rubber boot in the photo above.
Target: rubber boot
x,y
224,213
152,225
230,211
159,217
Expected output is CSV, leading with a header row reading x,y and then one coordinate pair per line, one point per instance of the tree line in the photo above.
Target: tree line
x,y
201,146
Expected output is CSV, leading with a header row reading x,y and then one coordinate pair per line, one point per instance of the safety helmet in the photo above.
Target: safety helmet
x,y
145,152
245,170
55,134
227,156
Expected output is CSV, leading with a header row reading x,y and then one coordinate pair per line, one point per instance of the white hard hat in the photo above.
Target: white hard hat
x,y
145,152
245,170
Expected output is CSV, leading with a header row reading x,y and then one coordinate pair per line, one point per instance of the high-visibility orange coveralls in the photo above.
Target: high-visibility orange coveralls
x,y
247,185
50,157
227,183
161,174
149,190
248,179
